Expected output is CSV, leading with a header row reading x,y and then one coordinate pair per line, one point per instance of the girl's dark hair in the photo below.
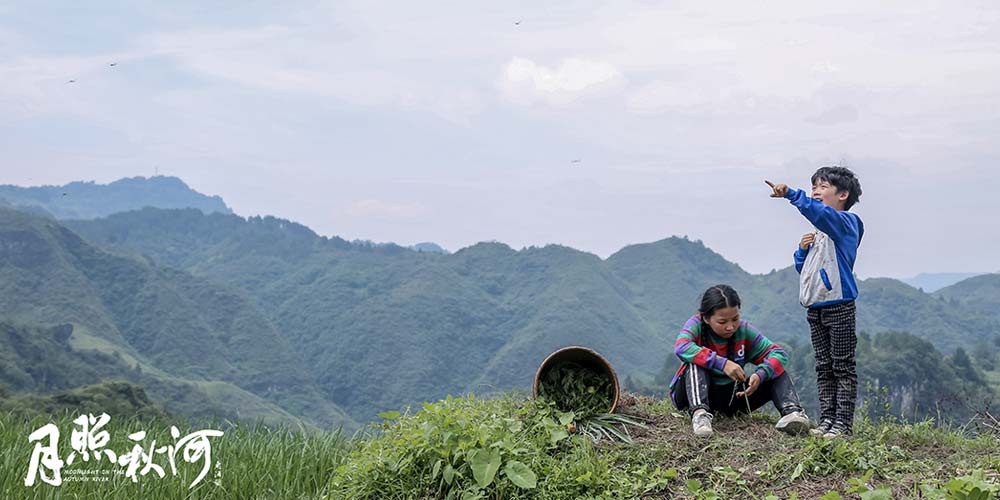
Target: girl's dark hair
x,y
717,297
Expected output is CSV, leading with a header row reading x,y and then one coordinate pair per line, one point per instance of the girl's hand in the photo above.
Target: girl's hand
x,y
752,386
807,240
780,190
734,371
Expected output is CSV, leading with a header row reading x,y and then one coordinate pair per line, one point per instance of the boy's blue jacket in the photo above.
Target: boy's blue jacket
x,y
826,269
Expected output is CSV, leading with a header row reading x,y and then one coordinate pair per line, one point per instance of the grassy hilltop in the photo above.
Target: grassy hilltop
x,y
508,448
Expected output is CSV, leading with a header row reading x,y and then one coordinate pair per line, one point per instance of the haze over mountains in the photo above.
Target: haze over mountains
x,y
88,200
932,282
214,311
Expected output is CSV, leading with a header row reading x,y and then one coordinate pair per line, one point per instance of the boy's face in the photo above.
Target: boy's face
x,y
827,193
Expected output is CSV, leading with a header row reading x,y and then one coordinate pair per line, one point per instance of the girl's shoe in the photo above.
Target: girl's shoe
x,y
795,423
701,422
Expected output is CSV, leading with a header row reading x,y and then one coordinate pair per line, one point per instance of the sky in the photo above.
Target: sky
x,y
594,125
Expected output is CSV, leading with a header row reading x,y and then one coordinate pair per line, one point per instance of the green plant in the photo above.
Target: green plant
x,y
861,488
695,488
974,486
497,448
456,448
573,387
821,457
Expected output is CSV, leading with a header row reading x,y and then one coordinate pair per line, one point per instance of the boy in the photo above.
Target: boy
x,y
825,262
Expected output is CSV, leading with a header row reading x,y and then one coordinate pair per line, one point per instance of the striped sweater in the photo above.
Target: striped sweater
x,y
698,344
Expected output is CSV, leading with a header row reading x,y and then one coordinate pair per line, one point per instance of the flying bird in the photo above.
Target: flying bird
x,y
113,64
575,161
71,81
517,23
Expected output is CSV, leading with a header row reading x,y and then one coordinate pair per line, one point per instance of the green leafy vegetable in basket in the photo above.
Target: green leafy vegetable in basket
x,y
575,388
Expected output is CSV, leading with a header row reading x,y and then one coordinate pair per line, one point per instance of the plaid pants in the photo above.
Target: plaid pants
x,y
835,341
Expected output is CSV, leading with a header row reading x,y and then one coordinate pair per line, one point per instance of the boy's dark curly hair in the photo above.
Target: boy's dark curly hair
x,y
843,179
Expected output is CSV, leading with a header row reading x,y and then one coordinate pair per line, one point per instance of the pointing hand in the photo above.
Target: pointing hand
x,y
780,190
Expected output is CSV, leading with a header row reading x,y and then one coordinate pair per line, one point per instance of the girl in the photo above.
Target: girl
x,y
713,346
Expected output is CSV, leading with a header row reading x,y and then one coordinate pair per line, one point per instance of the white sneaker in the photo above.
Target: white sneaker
x,y
701,422
795,423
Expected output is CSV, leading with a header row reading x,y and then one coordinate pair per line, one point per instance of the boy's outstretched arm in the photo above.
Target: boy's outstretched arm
x,y
827,219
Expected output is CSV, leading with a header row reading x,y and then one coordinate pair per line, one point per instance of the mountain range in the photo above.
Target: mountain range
x,y
89,200
216,312
200,345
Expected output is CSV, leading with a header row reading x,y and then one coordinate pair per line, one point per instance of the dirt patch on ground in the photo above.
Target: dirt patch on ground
x,y
660,427
675,426
737,454
738,457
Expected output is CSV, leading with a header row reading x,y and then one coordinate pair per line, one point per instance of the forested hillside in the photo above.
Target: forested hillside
x,y
384,326
73,314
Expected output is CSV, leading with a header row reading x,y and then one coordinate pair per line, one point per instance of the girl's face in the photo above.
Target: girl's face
x,y
725,321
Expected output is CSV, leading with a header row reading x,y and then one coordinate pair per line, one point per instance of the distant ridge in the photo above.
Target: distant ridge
x,y
980,293
932,282
428,246
88,200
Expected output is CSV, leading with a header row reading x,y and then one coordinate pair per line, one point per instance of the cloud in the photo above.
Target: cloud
x,y
663,96
651,95
280,58
837,114
525,81
382,209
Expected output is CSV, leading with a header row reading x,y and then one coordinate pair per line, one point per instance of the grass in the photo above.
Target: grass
x,y
748,458
511,448
254,461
